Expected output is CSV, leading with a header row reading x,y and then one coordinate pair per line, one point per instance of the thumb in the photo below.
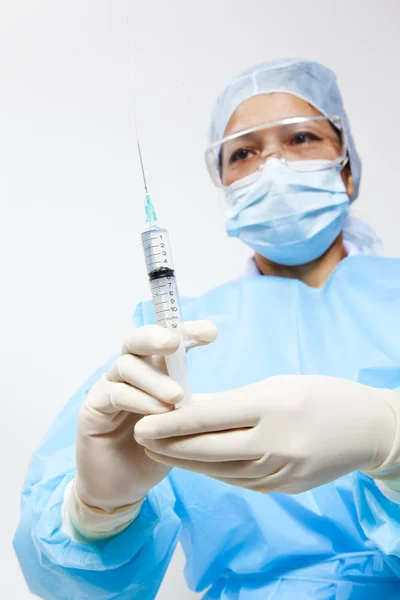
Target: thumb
x,y
198,333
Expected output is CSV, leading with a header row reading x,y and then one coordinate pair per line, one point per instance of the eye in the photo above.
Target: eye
x,y
303,137
240,154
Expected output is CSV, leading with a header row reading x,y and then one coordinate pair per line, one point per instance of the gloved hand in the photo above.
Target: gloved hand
x,y
113,471
285,434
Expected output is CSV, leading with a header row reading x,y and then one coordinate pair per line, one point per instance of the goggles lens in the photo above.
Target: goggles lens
x,y
292,140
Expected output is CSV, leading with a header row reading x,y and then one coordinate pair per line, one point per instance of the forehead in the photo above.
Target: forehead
x,y
268,107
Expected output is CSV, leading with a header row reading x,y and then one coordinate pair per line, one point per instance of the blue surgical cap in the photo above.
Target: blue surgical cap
x,y
311,81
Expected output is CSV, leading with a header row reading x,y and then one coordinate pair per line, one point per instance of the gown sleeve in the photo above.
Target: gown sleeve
x,y
130,565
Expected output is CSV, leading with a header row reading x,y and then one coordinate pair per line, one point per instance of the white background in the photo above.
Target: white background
x,y
70,188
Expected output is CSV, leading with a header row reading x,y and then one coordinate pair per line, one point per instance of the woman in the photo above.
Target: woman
x,y
288,478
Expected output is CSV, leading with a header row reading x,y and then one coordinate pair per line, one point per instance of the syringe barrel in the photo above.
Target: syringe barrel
x,y
157,249
165,300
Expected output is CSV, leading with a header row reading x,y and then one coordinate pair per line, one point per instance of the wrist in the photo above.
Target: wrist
x,y
94,523
387,460
105,496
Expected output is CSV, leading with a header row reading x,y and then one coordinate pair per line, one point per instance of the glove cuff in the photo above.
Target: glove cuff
x,y
388,473
389,491
94,523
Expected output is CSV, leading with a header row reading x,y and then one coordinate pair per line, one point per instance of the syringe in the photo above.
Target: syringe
x,y
164,290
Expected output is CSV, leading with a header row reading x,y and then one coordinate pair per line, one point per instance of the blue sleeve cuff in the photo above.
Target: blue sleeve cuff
x,y
156,523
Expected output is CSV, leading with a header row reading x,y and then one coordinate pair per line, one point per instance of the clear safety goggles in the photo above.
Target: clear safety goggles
x,y
294,140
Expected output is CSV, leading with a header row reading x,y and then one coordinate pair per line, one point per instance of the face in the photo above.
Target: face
x,y
272,107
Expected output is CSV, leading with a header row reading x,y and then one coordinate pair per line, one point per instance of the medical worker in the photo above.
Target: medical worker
x,y
287,464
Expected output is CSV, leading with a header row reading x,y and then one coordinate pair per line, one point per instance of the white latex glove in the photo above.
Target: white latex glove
x,y
113,472
285,434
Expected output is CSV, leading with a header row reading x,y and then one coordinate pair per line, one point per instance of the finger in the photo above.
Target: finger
x,y
266,484
208,447
198,333
108,397
195,333
239,473
151,339
158,362
228,470
140,374
212,413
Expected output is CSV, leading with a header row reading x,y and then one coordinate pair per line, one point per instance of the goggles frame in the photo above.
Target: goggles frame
x,y
212,152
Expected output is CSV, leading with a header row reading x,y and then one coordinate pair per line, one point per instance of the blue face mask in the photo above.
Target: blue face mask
x,y
289,217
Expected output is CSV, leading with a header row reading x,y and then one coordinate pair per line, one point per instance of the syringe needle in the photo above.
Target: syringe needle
x,y
141,164
148,205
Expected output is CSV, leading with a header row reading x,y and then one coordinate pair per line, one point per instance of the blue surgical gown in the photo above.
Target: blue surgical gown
x,y
339,541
